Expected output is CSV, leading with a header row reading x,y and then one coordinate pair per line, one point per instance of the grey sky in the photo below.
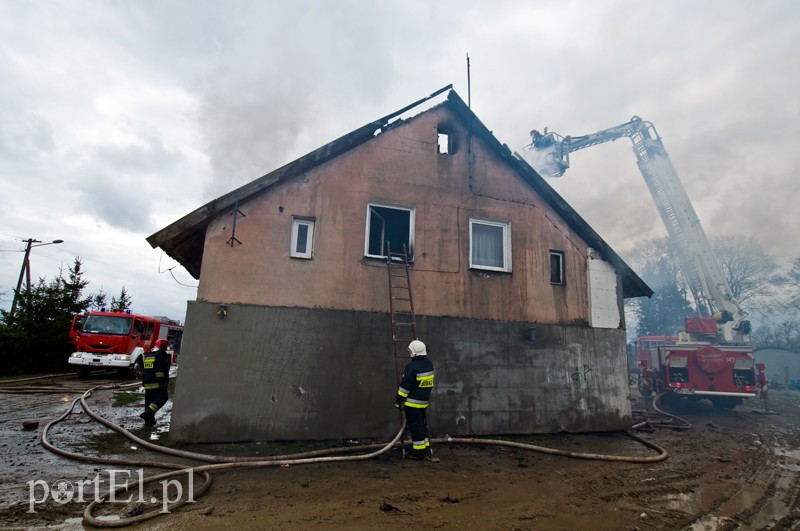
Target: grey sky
x,y
120,117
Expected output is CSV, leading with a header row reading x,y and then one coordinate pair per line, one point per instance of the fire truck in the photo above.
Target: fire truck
x,y
118,339
711,358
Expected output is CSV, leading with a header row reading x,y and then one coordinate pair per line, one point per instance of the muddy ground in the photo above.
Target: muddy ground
x,y
732,470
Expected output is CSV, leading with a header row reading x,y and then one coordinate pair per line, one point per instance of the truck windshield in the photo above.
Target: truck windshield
x,y
107,324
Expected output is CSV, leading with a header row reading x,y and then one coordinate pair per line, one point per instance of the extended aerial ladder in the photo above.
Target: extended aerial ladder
x,y
549,152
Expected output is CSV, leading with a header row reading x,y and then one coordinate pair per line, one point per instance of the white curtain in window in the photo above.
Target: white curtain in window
x,y
487,245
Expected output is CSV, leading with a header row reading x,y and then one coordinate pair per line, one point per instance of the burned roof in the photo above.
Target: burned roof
x,y
184,239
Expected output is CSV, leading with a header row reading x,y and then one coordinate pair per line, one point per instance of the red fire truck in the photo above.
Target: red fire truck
x,y
697,364
712,358
647,348
118,339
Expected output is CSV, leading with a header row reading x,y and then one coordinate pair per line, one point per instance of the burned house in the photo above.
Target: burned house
x,y
518,299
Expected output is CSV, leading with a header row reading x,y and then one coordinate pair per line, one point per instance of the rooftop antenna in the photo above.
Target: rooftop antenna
x,y
469,127
469,86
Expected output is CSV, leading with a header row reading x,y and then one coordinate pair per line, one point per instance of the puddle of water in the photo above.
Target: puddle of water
x,y
744,500
686,502
786,452
695,501
701,499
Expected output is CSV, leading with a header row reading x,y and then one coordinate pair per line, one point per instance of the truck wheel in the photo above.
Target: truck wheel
x,y
83,372
137,371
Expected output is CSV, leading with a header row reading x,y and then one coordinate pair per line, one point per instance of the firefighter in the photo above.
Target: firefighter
x,y
413,395
155,380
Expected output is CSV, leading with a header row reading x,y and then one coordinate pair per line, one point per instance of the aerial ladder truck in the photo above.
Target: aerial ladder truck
x,y
712,357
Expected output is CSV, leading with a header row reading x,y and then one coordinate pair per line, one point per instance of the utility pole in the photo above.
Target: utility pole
x,y
25,271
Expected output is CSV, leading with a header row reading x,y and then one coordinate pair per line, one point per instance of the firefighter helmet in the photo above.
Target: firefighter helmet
x,y
162,344
417,348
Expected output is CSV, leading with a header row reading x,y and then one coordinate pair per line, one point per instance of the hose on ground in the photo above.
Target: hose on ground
x,y
662,453
179,469
686,424
226,462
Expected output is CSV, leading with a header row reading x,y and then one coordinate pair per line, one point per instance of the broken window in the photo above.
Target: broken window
x,y
490,245
302,238
557,267
444,142
389,228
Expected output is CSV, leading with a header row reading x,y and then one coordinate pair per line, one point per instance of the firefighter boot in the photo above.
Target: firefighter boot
x,y
417,455
149,418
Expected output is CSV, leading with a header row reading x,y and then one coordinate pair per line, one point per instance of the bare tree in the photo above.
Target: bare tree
x,y
750,271
748,268
790,288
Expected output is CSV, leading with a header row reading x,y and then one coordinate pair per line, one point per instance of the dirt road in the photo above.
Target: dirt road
x,y
731,470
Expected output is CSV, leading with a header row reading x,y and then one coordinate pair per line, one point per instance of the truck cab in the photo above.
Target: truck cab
x,y
118,340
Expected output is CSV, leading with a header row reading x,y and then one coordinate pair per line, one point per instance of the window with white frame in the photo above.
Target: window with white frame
x,y
302,238
389,228
489,245
557,267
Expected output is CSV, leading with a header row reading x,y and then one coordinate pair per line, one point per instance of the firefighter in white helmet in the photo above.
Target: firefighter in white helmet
x,y
413,395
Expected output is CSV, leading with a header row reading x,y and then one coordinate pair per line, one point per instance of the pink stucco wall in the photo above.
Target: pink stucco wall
x,y
400,167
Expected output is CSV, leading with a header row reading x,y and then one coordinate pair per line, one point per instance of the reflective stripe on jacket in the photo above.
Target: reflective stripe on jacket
x,y
417,382
156,369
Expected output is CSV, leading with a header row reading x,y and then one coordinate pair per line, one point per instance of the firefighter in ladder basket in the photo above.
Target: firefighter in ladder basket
x,y
413,395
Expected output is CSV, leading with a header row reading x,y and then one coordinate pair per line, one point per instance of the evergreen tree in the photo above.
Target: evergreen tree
x,y
665,311
123,303
74,302
99,300
37,338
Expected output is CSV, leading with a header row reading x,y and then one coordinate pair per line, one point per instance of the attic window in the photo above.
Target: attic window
x,y
388,227
445,143
302,238
557,267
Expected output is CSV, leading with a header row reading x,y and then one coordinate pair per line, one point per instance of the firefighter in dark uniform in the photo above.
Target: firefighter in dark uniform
x,y
155,380
413,395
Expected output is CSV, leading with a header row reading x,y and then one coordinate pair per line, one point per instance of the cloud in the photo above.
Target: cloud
x,y
120,117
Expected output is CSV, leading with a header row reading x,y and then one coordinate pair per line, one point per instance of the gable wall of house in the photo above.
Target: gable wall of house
x,y
304,351
400,167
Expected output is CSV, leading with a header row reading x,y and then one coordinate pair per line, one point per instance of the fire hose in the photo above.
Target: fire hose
x,y
684,424
225,463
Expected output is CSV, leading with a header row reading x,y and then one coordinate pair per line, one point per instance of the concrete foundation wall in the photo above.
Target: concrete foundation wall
x,y
266,373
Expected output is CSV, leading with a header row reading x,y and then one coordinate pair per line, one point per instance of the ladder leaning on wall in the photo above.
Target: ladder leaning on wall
x,y
401,303
401,313
403,318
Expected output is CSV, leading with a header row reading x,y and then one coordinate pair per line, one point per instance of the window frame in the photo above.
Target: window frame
x,y
411,220
297,221
506,226
562,267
